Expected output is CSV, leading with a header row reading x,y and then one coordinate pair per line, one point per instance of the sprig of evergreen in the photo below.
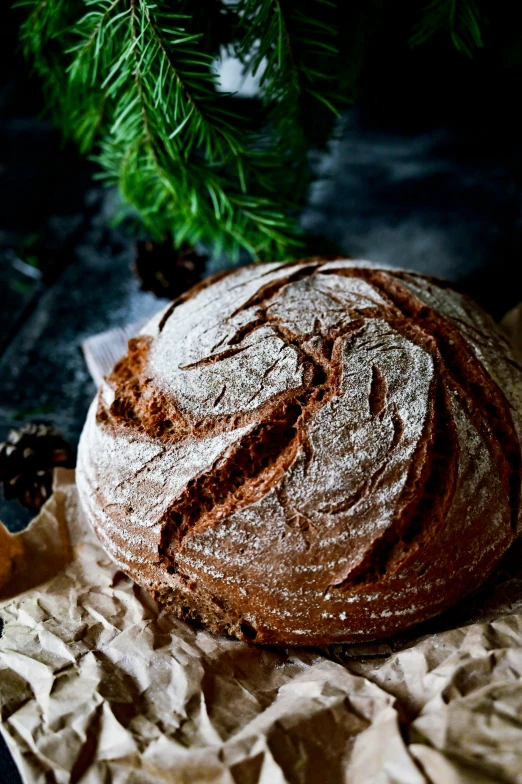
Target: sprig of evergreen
x,y
133,83
139,85
461,18
292,46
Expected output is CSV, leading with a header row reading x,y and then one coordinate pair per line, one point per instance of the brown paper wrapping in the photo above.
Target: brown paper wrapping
x,y
97,686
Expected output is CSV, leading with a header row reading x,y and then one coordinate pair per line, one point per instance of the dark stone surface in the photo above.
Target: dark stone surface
x,y
432,201
43,375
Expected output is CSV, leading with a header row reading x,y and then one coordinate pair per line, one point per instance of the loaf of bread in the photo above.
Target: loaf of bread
x,y
308,453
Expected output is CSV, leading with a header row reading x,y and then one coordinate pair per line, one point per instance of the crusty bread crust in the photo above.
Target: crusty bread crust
x,y
309,453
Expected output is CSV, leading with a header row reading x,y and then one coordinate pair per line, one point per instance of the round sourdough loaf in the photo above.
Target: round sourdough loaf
x,y
308,453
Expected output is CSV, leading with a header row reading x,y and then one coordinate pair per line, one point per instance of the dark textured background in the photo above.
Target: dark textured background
x,y
426,177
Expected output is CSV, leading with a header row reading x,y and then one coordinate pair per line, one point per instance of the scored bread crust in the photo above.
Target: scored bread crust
x,y
308,453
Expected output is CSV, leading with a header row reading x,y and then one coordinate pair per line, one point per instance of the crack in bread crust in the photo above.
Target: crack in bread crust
x,y
281,353
258,462
471,380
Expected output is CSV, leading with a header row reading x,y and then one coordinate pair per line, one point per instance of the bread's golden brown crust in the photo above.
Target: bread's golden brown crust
x,y
309,453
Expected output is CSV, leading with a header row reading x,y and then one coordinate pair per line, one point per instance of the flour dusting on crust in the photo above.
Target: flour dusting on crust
x,y
307,453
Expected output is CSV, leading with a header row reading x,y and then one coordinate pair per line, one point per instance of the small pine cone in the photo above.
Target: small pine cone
x,y
27,460
165,271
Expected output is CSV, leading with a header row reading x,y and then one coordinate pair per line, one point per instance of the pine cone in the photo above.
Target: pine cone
x,y
165,271
27,460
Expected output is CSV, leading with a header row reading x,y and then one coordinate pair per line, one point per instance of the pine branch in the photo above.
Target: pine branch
x,y
44,19
289,44
173,153
134,81
292,45
461,18
139,81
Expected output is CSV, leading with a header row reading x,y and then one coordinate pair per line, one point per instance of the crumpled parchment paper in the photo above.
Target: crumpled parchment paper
x,y
97,686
